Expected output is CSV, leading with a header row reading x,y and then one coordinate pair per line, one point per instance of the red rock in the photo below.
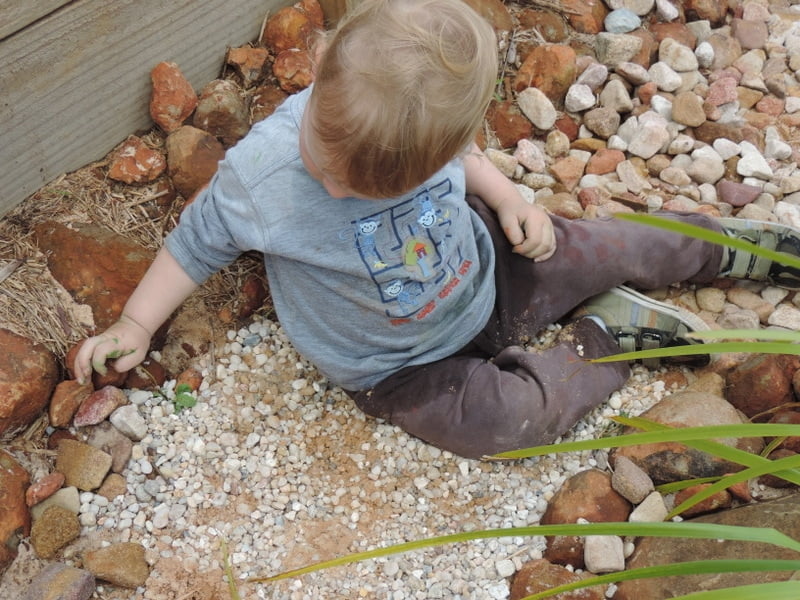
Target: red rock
x,y
648,54
762,382
222,112
15,519
568,126
770,105
698,10
508,123
788,417
172,99
59,434
66,399
646,91
568,171
251,296
585,16
550,25
604,161
148,375
248,62
718,501
44,488
550,68
675,30
292,27
99,405
97,266
293,70
191,377
493,11
540,575
192,158
265,100
28,374
587,495
737,194
135,162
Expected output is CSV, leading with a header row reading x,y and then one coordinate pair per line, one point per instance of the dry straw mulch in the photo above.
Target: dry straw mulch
x,y
33,304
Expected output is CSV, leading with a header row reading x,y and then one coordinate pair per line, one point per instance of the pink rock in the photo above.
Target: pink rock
x,y
770,105
737,194
99,405
135,162
722,91
568,171
44,488
173,99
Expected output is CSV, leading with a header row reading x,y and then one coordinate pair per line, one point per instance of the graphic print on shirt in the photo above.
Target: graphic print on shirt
x,y
409,253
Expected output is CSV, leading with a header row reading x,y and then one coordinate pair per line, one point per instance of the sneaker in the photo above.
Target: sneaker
x,y
772,236
638,322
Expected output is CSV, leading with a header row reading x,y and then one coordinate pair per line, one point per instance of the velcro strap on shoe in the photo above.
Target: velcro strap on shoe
x,y
749,266
650,342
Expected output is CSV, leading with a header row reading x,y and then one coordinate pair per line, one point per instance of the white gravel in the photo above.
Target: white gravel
x,y
288,472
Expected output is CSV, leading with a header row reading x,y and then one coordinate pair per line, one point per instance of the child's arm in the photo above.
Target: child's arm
x,y
527,226
163,288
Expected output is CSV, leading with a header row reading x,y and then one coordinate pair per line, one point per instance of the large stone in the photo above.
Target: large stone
x,y
135,162
782,514
97,266
293,26
540,575
172,99
67,397
56,528
585,16
28,375
508,123
192,158
99,405
58,581
551,68
15,519
222,111
84,466
587,495
122,564
762,382
671,461
293,69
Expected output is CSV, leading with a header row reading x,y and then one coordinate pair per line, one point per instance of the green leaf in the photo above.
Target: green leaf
x,y
698,567
684,529
710,348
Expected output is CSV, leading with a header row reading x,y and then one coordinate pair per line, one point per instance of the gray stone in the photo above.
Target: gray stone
x,y
579,97
614,48
603,554
679,57
616,97
622,20
665,77
60,582
129,421
651,510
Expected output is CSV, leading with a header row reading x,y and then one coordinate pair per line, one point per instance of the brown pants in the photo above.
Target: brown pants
x,y
494,396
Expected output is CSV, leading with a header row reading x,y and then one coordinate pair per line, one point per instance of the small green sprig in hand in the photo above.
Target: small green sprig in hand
x,y
183,397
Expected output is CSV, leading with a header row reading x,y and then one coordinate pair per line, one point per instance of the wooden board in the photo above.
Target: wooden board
x,y
76,82
15,15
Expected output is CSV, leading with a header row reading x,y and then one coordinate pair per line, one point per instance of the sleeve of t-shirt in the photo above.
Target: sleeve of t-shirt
x,y
216,228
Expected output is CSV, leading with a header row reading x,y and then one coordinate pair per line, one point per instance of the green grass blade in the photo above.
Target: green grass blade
x,y
709,348
778,465
687,434
728,453
684,529
698,567
776,590
745,334
708,235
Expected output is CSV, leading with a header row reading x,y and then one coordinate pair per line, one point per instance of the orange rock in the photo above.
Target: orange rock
x,y
293,69
135,162
248,62
172,99
191,377
66,399
44,488
192,158
550,68
28,375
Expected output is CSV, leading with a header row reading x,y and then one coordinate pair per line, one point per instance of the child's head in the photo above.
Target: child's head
x,y
401,89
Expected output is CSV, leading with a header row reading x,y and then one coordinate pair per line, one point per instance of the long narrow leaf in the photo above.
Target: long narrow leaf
x,y
728,453
708,235
788,462
776,590
672,435
775,335
685,529
710,348
697,567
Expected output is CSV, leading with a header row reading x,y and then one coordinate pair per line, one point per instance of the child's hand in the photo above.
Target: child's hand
x,y
126,341
528,228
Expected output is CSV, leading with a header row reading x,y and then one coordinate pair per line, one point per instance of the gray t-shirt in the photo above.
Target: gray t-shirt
x,y
362,288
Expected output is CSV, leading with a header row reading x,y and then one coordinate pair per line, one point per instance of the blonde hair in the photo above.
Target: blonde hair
x,y
400,90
